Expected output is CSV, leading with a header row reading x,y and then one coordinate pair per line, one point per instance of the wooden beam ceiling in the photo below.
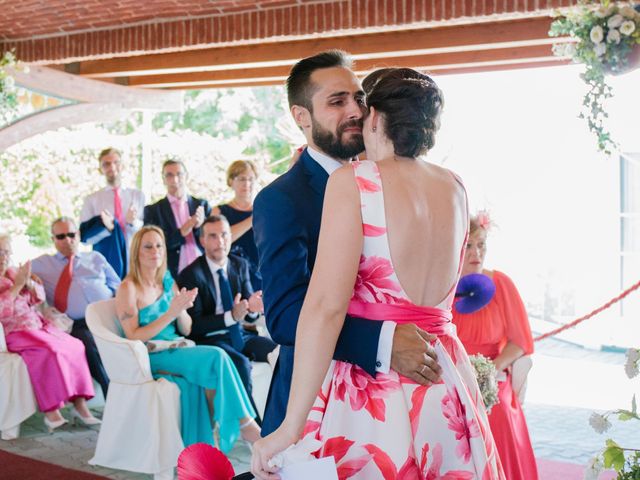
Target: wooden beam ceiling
x,y
461,48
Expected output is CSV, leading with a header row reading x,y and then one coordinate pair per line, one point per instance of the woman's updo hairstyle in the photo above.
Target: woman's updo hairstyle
x,y
411,103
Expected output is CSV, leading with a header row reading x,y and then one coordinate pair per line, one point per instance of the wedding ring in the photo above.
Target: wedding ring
x,y
422,369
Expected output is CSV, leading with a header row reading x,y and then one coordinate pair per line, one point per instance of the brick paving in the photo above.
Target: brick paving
x,y
559,428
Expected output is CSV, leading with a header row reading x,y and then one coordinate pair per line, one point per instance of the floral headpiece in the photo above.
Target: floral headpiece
x,y
483,219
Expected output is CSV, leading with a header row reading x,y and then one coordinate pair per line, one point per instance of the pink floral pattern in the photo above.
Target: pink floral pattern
x,y
389,427
18,313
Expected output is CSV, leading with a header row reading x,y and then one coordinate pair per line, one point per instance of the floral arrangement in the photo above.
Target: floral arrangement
x,y
486,376
8,95
605,35
626,461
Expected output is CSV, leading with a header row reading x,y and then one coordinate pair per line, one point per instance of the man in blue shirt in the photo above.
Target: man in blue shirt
x,y
72,280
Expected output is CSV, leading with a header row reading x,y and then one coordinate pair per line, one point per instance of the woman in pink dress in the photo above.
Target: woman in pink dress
x,y
55,361
391,244
500,331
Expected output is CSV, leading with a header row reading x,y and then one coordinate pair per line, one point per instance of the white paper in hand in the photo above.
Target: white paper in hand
x,y
320,469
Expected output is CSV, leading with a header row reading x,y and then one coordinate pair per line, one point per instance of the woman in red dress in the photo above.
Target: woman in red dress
x,y
500,331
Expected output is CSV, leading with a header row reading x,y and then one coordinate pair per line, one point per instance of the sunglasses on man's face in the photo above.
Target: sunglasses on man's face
x,y
60,236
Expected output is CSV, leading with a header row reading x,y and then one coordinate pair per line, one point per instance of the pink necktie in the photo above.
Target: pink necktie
x,y
117,209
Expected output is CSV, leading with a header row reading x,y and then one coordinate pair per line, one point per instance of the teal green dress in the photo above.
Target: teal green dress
x,y
196,369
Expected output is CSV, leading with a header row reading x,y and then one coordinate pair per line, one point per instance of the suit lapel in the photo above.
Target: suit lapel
x,y
208,278
317,175
167,212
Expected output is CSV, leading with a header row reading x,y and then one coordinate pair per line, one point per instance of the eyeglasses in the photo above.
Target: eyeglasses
x,y
61,236
175,175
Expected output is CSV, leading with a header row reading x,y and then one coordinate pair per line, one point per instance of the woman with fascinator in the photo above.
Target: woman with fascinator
x,y
500,331
391,243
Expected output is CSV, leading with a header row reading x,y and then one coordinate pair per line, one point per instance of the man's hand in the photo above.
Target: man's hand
x,y
198,217
413,356
240,308
107,219
132,214
255,302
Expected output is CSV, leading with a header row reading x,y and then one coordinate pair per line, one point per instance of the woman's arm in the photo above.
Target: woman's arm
x,y
184,321
323,312
127,311
510,353
240,228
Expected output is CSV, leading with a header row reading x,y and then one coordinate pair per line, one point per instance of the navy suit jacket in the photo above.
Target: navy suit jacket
x,y
198,274
286,225
161,215
113,247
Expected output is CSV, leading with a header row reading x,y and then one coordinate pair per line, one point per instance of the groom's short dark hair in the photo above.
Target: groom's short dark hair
x,y
299,87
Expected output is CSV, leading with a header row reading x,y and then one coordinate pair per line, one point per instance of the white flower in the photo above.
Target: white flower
x,y
631,365
594,468
615,21
604,12
627,27
628,11
613,36
596,34
599,422
600,49
9,83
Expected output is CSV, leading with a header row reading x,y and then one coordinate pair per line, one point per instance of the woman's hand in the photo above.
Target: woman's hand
x,y
266,448
182,301
23,276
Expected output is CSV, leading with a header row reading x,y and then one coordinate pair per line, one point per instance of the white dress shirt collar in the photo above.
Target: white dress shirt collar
x,y
329,164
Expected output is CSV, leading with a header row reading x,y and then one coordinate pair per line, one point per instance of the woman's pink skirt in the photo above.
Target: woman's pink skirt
x,y
56,363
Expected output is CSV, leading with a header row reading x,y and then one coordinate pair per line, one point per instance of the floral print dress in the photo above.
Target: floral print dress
x,y
390,427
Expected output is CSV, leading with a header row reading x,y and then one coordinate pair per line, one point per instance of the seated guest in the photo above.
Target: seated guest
x,y
180,216
55,361
242,177
111,216
72,280
150,307
225,298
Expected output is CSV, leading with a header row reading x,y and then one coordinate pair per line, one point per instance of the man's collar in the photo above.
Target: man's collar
x,y
215,266
329,164
174,199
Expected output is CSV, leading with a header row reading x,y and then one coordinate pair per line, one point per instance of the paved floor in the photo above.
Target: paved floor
x,y
566,384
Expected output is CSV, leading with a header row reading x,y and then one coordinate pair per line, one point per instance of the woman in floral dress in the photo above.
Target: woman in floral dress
x,y
395,228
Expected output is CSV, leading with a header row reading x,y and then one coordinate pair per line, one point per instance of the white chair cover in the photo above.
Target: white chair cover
x,y
140,428
17,401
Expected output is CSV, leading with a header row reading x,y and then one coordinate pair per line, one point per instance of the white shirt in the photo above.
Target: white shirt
x,y
228,318
101,200
385,342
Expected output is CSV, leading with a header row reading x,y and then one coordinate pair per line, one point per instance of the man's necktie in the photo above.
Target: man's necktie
x,y
117,209
61,294
226,297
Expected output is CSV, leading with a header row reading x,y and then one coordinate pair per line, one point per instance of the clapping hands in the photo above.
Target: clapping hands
x,y
182,301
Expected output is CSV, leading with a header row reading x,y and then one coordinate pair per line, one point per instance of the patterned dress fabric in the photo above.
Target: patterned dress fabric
x,y
487,331
390,427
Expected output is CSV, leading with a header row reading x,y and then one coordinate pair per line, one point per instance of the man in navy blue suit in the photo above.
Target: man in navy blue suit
x,y
328,105
180,216
225,299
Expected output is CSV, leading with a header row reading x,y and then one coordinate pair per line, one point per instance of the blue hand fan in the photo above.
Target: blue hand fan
x,y
474,292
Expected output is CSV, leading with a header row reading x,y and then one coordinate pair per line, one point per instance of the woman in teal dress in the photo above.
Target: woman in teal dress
x,y
150,307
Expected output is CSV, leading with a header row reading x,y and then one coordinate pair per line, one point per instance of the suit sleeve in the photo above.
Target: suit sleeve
x,y
204,321
93,230
282,247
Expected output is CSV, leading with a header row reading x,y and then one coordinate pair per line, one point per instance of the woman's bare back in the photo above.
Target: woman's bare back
x,y
426,216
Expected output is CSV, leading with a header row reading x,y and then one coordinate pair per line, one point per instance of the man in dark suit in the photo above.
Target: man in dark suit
x,y
328,105
225,298
180,216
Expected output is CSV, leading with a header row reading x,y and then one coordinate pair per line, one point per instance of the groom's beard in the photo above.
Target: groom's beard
x,y
331,143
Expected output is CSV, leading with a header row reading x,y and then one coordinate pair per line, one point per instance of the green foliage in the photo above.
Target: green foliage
x,y
603,39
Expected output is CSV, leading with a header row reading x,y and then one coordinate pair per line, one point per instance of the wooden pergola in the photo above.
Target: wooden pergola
x,y
227,43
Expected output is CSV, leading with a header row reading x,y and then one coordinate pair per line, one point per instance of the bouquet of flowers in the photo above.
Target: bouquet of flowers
x,y
486,376
605,35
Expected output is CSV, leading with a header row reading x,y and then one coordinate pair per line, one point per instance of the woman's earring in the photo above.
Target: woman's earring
x,y
373,129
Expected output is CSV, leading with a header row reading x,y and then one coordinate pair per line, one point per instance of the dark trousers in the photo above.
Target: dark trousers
x,y
256,348
81,332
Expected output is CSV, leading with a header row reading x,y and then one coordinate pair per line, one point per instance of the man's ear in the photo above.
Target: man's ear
x,y
301,116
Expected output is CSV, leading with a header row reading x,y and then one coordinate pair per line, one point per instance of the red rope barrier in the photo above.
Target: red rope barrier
x,y
589,315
